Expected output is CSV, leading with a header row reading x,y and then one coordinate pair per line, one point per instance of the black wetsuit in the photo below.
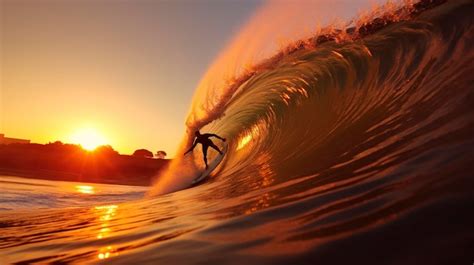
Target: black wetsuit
x,y
204,140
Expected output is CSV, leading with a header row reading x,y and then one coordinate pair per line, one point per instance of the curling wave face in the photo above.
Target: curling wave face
x,y
363,146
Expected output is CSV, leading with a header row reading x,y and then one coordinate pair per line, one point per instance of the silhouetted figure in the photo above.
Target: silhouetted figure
x,y
204,140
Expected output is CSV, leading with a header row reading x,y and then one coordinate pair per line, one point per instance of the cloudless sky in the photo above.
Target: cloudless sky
x,y
125,68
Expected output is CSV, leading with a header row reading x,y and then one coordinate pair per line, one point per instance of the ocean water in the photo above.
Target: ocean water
x,y
25,194
350,152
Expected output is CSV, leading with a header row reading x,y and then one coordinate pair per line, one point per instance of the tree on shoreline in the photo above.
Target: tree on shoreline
x,y
160,154
143,153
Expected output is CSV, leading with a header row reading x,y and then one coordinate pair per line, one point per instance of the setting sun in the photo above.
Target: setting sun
x,y
88,138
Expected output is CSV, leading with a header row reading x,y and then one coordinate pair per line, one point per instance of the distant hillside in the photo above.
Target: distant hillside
x,y
67,162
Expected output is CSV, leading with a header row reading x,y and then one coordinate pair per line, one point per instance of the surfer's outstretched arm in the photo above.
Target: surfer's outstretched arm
x,y
192,147
217,136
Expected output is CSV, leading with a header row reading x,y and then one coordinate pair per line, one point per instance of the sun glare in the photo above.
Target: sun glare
x,y
88,138
85,189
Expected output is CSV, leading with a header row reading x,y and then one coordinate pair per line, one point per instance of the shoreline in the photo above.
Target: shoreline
x,y
143,181
66,162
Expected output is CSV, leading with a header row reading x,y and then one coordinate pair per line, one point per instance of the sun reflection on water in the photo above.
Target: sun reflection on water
x,y
84,189
106,214
249,136
244,141
266,173
107,252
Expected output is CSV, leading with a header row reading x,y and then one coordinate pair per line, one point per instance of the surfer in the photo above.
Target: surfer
x,y
204,140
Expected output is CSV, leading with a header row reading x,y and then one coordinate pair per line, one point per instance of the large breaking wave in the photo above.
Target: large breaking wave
x,y
359,98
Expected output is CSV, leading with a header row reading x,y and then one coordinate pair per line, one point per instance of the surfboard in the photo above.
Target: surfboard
x,y
217,160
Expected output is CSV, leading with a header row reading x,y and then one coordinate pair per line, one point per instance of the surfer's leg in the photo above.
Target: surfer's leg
x,y
204,154
216,148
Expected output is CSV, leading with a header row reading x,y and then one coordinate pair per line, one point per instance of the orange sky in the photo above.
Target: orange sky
x,y
127,69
